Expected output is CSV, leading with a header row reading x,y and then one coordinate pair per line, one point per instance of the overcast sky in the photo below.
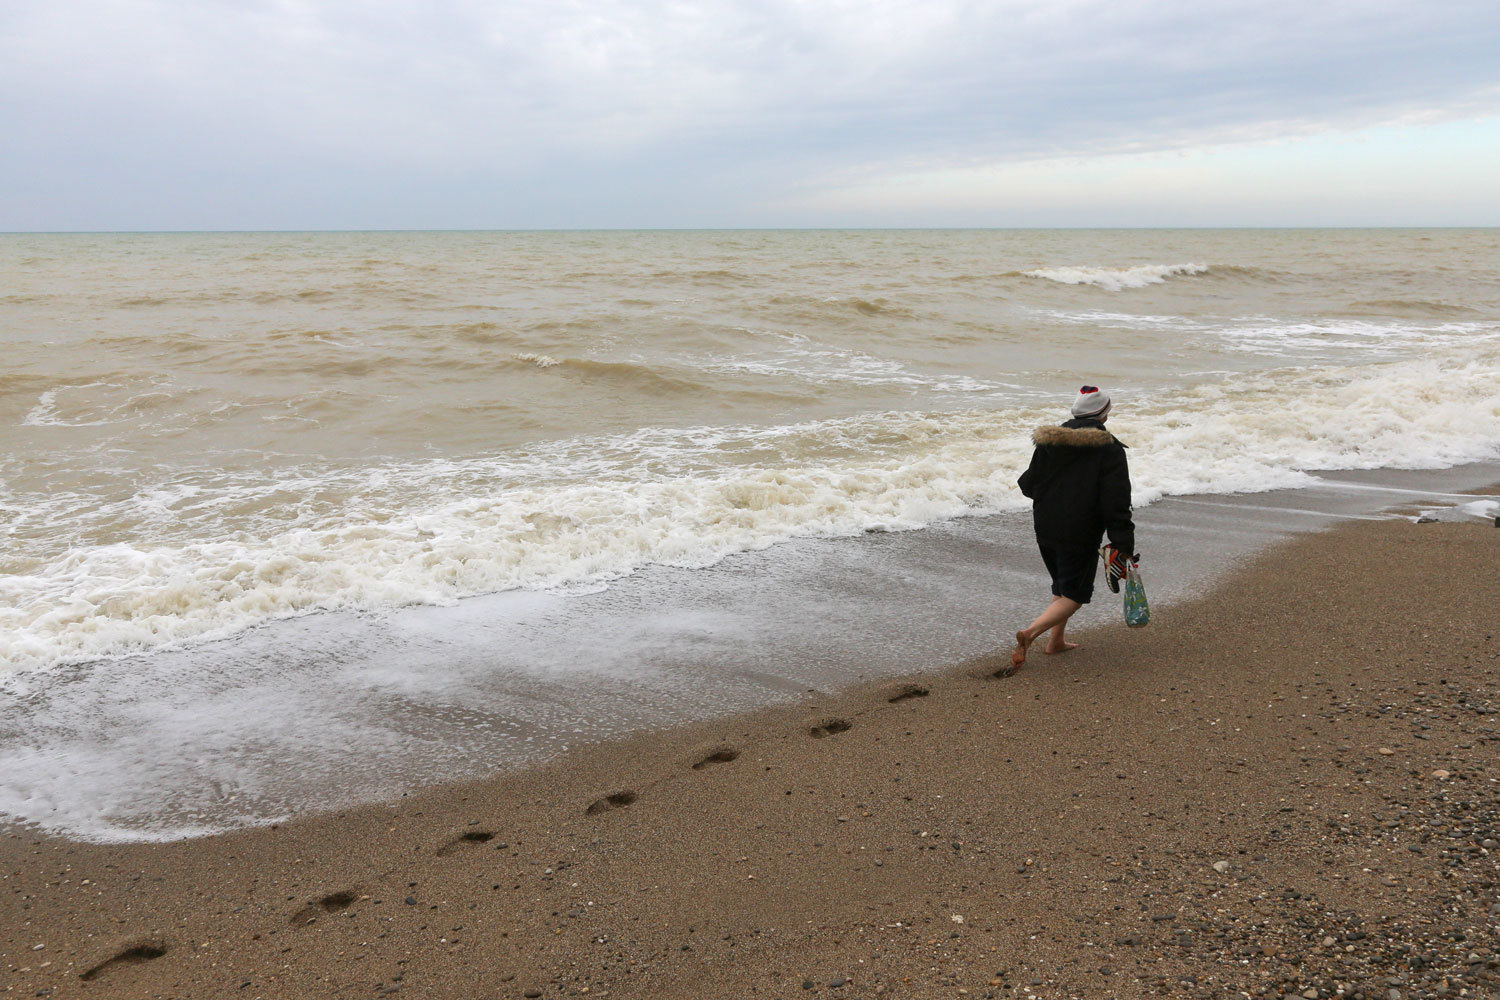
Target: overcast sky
x,y
310,114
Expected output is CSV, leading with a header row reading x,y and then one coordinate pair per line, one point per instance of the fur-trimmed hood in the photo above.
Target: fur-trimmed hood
x,y
1073,437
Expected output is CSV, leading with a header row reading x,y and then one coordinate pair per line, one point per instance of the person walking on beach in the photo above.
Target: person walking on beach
x,y
1079,482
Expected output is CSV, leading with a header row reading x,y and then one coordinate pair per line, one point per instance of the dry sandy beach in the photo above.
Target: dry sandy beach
x,y
1285,787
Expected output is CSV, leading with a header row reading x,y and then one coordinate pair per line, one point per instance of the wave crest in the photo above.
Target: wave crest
x,y
1116,279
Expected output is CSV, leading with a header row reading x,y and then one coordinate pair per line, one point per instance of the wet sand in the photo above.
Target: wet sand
x,y
1286,785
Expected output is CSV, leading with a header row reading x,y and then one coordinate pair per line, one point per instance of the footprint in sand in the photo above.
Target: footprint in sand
x,y
131,952
993,667
907,692
830,727
619,800
331,903
722,755
465,840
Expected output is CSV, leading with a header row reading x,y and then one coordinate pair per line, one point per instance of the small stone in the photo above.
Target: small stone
x,y
1329,942
837,982
1440,774
1393,995
1385,751
808,984
411,900
1388,881
1221,866
532,994
1310,993
957,918
1489,843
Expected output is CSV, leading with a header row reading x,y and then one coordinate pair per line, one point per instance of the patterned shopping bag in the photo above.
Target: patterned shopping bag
x,y
1137,611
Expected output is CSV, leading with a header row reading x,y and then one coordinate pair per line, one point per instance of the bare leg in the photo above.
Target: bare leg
x,y
1056,616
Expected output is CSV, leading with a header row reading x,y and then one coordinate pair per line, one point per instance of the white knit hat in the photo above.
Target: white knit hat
x,y
1092,401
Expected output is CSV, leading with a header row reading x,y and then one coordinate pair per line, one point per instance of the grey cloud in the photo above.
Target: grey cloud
x,y
269,114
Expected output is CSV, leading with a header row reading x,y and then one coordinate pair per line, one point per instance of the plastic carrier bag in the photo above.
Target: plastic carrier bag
x,y
1137,611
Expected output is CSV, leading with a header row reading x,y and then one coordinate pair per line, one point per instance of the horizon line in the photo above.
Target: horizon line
x,y
720,229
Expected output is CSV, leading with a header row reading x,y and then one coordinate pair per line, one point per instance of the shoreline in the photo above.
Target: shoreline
x,y
1071,815
503,682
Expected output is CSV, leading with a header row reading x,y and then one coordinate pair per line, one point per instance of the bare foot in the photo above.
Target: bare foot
x,y
1053,648
1018,656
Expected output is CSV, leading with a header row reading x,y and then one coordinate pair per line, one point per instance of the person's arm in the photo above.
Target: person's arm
x,y
1028,480
1114,499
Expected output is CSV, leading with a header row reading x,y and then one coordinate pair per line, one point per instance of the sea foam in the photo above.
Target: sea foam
x,y
1116,279
581,512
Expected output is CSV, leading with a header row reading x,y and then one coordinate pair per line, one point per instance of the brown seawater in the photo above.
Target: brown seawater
x,y
204,432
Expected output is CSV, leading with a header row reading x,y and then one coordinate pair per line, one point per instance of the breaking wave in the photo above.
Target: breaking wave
x,y
587,510
1116,279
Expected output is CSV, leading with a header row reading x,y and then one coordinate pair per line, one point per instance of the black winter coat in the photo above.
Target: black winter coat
x,y
1079,481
